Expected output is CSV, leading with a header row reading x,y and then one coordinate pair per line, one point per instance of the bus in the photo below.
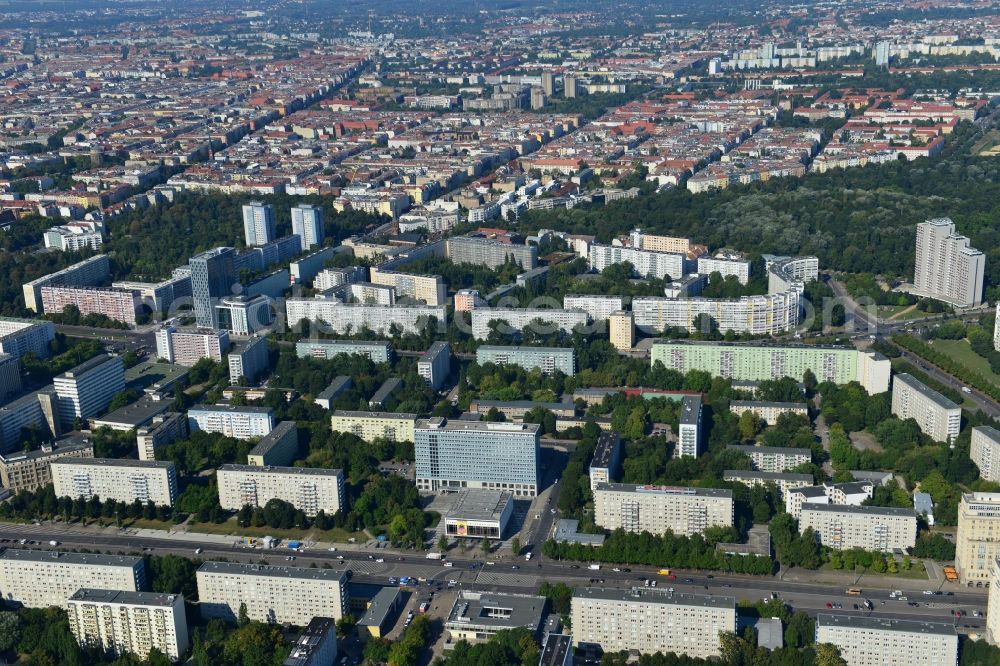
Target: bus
x,y
854,591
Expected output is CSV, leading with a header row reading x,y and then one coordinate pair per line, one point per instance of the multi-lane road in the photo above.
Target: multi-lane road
x,y
505,574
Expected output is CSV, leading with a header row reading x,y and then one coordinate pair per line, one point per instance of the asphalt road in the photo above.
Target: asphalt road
x,y
982,401
502,576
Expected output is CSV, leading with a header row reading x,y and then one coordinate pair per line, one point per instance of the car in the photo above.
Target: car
x,y
616,570
726,585
197,551
928,591
514,566
688,580
652,584
448,564
855,607
332,548
491,563
574,566
647,583
626,570
829,605
380,560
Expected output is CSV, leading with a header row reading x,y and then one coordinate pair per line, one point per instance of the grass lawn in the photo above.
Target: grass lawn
x,y
915,572
230,528
961,351
887,311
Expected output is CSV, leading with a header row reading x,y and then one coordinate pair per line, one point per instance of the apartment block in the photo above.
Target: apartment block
x,y
647,264
44,578
369,426
119,622
159,296
119,479
621,330
272,594
938,417
258,223
758,362
467,300
87,273
307,224
37,410
377,352
243,315
352,317
985,452
164,429
784,482
651,620
689,437
881,641
767,314
490,253
87,389
331,278
546,359
248,360
977,541
276,448
73,238
435,364
993,604
187,347
232,421
118,304
853,493
431,289
653,243
451,455
307,488
598,308
876,528
768,411
656,509
606,462
21,336
31,470
326,397
946,266
726,263
10,378
513,321
773,458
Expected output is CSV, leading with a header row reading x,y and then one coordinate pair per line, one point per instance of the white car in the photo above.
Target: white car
x,y
447,564
928,592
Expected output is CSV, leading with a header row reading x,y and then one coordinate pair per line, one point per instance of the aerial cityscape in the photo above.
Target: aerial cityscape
x,y
499,333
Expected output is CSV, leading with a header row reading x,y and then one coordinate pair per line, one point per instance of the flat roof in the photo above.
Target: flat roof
x,y
757,344
271,439
476,609
607,443
885,624
439,423
436,348
60,557
764,404
305,573
655,596
346,343
925,391
246,409
86,366
309,641
60,447
278,469
767,476
690,410
523,348
861,510
153,375
374,415
476,504
989,431
382,604
115,462
555,649
568,529
776,450
91,595
665,490
138,413
529,404
388,387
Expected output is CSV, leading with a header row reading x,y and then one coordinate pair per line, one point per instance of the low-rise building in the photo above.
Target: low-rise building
x,y
876,528
880,641
241,422
310,489
44,578
784,482
119,622
31,470
651,620
657,509
476,616
938,417
120,479
768,411
272,594
479,514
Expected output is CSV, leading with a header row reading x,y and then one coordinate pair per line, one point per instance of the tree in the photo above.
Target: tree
x,y
443,542
10,630
828,655
484,545
515,546
242,619
749,424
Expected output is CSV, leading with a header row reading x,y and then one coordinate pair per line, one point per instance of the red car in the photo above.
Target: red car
x,y
829,605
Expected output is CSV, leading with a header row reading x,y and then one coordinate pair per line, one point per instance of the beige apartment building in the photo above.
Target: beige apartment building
x,y
370,426
768,411
307,488
119,479
660,243
431,289
879,641
977,541
656,509
784,482
875,528
985,452
272,594
119,623
30,470
938,417
993,604
651,620
621,330
42,578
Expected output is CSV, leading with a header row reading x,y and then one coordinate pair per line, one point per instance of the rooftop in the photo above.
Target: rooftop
x,y
60,447
655,596
861,510
347,343
439,423
885,624
374,415
381,605
56,556
607,443
268,441
773,450
235,409
766,404
339,384
123,597
516,349
475,504
309,640
665,490
304,573
115,462
568,530
136,414
276,469
555,649
766,476
86,366
496,611
690,410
